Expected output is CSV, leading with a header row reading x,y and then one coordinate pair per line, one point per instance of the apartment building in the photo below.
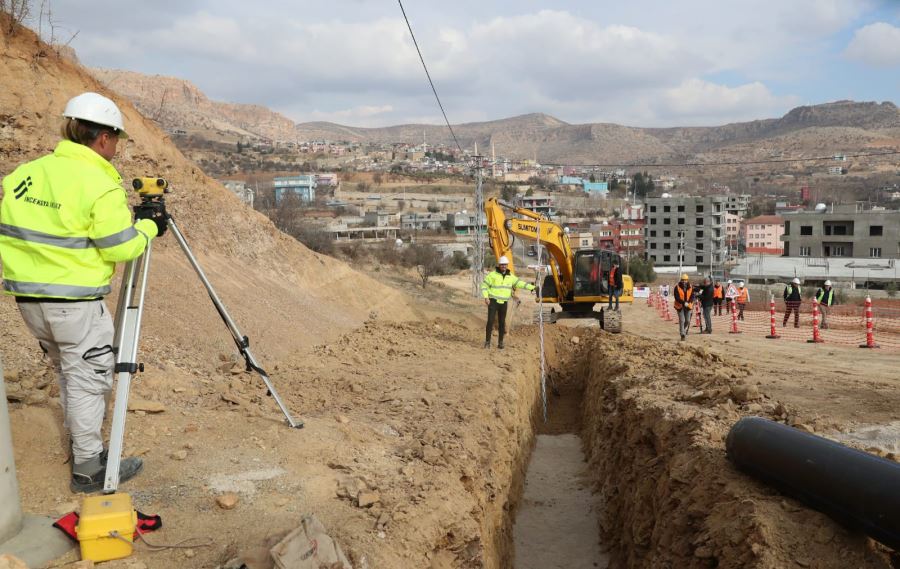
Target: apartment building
x,y
685,230
761,235
842,231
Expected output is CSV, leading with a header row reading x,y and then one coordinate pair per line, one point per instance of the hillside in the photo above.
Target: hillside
x,y
177,103
817,129
842,126
283,296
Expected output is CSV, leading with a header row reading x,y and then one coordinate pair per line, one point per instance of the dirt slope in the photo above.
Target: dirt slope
x,y
281,294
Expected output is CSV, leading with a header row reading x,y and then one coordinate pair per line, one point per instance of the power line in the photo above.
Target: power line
x,y
427,74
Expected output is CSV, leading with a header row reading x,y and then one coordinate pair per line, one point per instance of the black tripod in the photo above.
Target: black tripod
x,y
128,328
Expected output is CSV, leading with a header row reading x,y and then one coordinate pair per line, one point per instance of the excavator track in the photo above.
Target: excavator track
x,y
611,321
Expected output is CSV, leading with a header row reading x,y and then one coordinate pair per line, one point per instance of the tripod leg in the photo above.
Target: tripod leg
x,y
243,343
128,330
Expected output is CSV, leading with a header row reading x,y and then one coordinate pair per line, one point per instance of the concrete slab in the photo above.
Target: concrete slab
x,y
38,543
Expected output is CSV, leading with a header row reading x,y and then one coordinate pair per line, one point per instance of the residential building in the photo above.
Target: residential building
x,y
583,241
633,212
416,221
842,231
539,204
733,232
303,186
241,190
625,237
327,179
761,235
378,219
685,230
596,188
738,204
466,223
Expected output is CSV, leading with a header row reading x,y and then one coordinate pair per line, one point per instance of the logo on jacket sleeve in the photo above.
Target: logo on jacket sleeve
x,y
22,188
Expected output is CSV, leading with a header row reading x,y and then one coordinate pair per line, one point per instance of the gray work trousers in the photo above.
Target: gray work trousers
x,y
78,338
684,320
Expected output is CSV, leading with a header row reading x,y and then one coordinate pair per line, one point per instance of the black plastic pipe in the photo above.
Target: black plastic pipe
x,y
856,488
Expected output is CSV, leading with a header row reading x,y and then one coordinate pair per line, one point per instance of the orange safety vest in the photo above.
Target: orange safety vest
x,y
683,297
612,277
717,291
742,296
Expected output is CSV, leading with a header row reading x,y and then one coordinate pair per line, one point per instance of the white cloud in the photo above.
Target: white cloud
x,y
877,45
362,115
644,64
704,103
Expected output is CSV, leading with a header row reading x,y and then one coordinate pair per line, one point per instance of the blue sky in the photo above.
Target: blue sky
x,y
647,63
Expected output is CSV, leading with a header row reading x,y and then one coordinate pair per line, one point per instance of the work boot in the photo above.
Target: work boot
x,y
487,344
88,477
500,346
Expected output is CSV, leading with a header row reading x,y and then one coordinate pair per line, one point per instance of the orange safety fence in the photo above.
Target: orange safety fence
x,y
843,325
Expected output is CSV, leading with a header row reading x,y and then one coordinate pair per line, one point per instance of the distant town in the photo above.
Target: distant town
x,y
362,194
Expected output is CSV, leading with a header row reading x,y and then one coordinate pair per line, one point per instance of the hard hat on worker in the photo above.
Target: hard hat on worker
x,y
827,283
796,280
97,109
685,277
503,260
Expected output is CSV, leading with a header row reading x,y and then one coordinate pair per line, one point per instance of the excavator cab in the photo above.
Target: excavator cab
x,y
592,271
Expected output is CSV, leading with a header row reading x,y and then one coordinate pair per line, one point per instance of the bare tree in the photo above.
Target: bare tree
x,y
18,11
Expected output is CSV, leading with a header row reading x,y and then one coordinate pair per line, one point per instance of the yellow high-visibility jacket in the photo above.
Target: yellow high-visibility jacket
x,y
499,287
64,224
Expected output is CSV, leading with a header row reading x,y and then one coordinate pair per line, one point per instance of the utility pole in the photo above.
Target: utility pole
x,y
478,254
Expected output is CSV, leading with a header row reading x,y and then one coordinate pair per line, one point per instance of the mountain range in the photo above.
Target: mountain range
x,y
836,127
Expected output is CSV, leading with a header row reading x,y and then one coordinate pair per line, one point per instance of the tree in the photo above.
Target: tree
x,y
641,270
592,178
427,260
433,207
508,192
240,147
377,178
18,11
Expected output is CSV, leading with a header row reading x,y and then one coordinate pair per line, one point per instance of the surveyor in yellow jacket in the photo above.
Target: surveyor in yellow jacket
x,y
497,289
64,224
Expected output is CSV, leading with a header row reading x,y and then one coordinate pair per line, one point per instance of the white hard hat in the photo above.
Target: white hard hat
x,y
503,260
827,283
729,281
97,109
796,280
741,284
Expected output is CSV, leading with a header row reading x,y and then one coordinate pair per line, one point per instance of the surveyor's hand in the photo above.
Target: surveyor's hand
x,y
487,301
155,212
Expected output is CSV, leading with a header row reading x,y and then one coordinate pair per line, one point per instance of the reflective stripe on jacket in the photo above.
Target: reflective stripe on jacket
x,y
64,223
683,297
824,298
499,287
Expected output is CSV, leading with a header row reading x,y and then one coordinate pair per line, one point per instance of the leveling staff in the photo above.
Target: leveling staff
x,y
64,224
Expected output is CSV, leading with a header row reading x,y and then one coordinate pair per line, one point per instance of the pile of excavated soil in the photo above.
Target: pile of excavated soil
x,y
281,294
656,414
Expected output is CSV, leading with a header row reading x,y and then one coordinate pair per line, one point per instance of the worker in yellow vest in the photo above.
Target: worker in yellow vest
x,y
825,298
497,289
64,224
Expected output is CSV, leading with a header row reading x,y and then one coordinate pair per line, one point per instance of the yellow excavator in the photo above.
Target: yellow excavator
x,y
577,280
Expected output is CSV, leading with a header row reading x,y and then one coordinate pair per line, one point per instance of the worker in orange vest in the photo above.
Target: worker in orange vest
x,y
743,298
718,296
684,303
615,284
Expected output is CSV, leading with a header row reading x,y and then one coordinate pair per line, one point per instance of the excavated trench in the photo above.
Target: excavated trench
x,y
653,487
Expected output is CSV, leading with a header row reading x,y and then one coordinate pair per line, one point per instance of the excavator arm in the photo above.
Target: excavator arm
x,y
551,236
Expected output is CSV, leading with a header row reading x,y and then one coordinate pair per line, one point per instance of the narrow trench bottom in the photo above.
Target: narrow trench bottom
x,y
556,523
